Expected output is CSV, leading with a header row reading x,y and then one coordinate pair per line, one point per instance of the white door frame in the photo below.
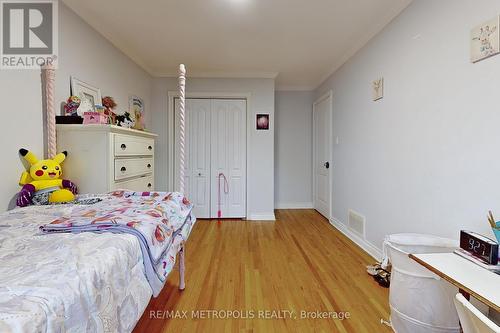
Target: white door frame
x,y
328,94
171,95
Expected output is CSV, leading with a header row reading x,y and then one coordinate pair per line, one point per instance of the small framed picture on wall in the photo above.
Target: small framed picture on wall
x,y
262,121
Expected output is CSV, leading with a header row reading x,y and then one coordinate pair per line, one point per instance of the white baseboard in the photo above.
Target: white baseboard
x,y
262,217
368,247
294,205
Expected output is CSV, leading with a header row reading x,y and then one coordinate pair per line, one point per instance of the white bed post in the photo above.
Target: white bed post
x,y
182,153
49,75
182,284
182,129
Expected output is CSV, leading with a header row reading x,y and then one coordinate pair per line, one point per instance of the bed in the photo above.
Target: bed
x,y
90,266
55,281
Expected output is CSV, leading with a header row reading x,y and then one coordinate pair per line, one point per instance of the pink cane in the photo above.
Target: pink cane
x,y
226,191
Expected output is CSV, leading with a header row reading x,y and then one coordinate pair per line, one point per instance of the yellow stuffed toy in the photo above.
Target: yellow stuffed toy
x,y
43,185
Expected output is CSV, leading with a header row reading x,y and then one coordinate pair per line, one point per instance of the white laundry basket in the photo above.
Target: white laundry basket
x,y
420,301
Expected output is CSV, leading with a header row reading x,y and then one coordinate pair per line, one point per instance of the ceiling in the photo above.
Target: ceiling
x,y
300,42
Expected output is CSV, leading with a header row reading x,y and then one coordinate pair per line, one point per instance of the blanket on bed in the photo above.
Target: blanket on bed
x,y
155,218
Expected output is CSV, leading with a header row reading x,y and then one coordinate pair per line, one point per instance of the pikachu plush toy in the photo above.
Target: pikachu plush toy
x,y
42,184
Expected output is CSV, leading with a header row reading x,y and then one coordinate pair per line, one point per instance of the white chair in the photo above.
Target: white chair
x,y
473,320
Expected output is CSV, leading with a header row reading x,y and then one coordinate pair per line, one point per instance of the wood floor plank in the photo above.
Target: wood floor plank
x,y
298,263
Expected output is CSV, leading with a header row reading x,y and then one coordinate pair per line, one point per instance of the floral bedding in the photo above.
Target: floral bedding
x,y
71,282
155,218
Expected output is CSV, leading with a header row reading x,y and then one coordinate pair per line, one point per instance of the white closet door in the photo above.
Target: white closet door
x,y
197,166
228,156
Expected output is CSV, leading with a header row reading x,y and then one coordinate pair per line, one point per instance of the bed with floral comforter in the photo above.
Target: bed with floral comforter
x,y
86,281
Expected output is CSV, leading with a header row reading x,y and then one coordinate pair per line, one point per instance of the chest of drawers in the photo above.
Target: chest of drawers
x,y
103,158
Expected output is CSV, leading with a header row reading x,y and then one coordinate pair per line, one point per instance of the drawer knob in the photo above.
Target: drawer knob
x,y
123,146
150,147
123,169
149,185
149,166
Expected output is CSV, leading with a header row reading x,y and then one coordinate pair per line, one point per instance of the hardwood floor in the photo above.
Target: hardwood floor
x,y
298,263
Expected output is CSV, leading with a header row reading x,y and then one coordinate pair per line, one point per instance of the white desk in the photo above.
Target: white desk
x,y
465,275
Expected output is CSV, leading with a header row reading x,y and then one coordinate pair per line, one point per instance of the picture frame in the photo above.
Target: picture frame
x,y
378,89
485,40
262,122
90,96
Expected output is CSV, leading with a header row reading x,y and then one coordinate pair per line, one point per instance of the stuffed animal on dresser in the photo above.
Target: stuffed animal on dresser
x,y
42,183
124,120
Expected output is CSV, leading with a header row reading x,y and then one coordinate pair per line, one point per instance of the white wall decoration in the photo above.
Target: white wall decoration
x,y
485,40
378,89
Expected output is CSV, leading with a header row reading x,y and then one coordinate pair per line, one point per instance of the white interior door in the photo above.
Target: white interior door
x,y
321,153
197,163
228,157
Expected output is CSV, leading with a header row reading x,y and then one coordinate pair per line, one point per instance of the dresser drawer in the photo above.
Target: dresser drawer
x,y
132,167
128,145
141,184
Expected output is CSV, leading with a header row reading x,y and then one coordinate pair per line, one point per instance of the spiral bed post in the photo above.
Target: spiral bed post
x,y
182,128
49,76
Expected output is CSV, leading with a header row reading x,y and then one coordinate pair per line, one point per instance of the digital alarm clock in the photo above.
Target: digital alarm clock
x,y
479,246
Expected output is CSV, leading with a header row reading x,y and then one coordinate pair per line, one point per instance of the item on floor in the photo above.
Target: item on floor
x,y
413,288
109,103
42,185
382,276
373,269
124,120
71,106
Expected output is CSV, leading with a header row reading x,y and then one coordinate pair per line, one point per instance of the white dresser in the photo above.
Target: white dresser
x,y
103,158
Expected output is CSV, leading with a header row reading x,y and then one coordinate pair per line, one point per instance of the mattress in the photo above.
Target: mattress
x,y
83,282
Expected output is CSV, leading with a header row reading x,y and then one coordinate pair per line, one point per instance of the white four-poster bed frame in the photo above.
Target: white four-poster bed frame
x,y
48,76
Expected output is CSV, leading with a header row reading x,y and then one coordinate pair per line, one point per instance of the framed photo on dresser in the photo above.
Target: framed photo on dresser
x,y
90,96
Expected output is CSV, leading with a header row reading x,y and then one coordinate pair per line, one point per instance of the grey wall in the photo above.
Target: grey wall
x,y
293,153
85,54
82,52
260,145
426,157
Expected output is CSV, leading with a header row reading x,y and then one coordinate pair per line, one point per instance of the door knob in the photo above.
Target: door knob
x,y
199,174
327,165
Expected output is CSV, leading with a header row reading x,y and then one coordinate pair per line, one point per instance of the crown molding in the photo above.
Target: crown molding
x,y
295,87
223,75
